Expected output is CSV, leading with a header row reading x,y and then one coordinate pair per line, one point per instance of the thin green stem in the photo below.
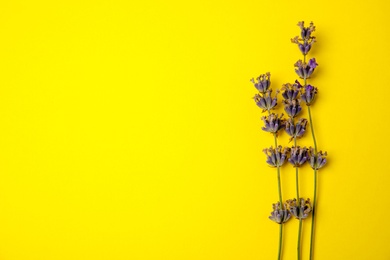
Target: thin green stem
x,y
313,215
280,241
299,239
281,202
312,130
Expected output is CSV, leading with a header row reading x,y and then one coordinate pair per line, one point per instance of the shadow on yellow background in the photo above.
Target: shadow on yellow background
x,y
128,129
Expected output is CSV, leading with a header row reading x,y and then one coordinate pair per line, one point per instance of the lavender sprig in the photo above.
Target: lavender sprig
x,y
304,71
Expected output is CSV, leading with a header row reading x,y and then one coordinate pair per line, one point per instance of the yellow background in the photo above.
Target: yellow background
x,y
127,129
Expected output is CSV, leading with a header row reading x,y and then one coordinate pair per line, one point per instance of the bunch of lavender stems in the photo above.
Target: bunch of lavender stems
x,y
293,95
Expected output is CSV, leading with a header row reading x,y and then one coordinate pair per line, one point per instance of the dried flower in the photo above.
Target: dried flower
x,y
317,160
273,123
298,156
301,210
309,94
265,101
262,82
306,31
297,130
292,107
276,157
305,43
291,91
303,69
279,215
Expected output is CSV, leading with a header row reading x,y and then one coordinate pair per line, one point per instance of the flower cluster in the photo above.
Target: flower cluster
x,y
295,130
262,82
276,157
306,41
299,210
317,160
273,123
298,156
266,101
278,214
303,69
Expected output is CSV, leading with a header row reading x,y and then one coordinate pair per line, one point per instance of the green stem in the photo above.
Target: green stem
x,y
298,201
280,241
299,239
313,215
312,130
281,203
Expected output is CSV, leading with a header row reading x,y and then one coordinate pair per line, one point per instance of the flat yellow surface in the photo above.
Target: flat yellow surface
x,y
127,129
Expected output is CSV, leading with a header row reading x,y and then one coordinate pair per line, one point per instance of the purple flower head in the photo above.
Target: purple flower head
x,y
292,107
299,210
298,156
273,123
291,91
309,94
317,160
265,101
306,31
278,214
262,82
306,41
276,157
305,70
297,130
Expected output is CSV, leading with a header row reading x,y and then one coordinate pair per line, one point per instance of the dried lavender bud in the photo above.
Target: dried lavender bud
x,y
304,70
292,107
273,123
298,156
265,101
297,130
279,215
276,157
309,94
306,31
262,82
291,91
301,210
318,160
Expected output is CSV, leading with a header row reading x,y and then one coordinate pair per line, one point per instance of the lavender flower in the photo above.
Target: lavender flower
x,y
291,91
262,82
304,70
276,157
292,107
273,123
306,31
300,210
297,130
309,95
298,156
265,101
317,160
279,215
305,43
